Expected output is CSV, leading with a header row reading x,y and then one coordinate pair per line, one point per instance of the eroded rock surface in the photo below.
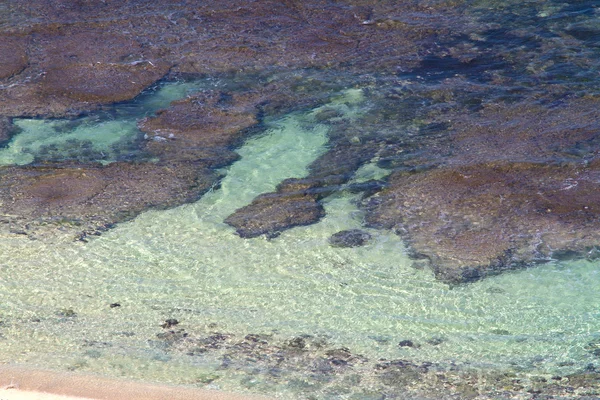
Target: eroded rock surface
x,y
78,201
521,186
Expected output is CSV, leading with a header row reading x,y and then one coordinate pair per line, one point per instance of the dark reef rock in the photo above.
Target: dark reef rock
x,y
169,323
350,238
7,129
486,210
274,212
315,366
75,201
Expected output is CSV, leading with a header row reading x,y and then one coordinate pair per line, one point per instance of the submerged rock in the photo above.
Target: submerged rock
x,y
486,211
274,212
349,238
296,201
200,129
78,201
406,343
6,129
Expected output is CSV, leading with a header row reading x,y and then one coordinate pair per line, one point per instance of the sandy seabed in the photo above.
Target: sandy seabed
x,y
21,383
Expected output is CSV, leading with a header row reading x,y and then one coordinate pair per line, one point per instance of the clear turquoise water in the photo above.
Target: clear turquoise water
x,y
102,137
185,263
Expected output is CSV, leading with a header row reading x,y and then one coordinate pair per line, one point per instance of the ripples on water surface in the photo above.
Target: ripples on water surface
x,y
186,264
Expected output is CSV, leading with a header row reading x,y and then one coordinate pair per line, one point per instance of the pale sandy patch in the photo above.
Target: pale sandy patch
x,y
20,383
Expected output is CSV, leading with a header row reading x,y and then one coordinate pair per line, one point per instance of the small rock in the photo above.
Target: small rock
x,y
435,341
349,238
421,263
67,312
296,343
406,343
327,114
169,323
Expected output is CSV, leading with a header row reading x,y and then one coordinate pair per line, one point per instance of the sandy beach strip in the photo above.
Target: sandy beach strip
x,y
22,383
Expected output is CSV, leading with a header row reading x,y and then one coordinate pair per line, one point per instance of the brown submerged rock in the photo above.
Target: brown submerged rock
x,y
296,201
487,210
200,128
75,200
292,205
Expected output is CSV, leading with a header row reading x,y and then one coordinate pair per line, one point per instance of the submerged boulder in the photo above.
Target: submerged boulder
x,y
271,213
349,238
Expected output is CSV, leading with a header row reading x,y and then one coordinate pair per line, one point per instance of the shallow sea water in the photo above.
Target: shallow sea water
x,y
185,263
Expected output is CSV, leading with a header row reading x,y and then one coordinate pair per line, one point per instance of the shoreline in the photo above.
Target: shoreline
x,y
23,383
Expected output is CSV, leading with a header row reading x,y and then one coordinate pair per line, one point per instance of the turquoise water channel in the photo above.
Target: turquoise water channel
x,y
186,264
102,137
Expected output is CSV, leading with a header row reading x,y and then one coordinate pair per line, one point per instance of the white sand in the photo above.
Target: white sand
x,y
12,394
20,383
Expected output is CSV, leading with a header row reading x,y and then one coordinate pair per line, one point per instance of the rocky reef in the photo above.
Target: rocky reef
x,y
519,185
64,59
484,114
492,148
314,367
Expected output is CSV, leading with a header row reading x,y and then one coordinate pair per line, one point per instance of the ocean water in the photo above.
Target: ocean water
x,y
104,136
100,306
186,264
